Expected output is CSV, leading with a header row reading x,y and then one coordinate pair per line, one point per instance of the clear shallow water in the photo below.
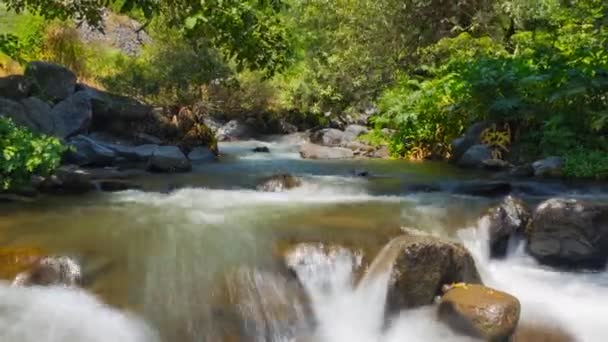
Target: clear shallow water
x,y
174,255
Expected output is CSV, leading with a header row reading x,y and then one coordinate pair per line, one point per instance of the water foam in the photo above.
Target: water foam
x,y
34,314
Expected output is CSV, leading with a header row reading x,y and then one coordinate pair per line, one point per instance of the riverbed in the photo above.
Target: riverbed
x,y
167,252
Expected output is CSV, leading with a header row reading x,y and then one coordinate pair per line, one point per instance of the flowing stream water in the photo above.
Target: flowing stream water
x,y
194,257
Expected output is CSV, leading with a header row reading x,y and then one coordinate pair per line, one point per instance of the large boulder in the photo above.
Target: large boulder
x,y
108,106
327,137
168,159
548,167
569,233
51,81
480,312
15,87
279,183
39,113
16,112
470,138
234,130
419,265
352,132
87,151
475,156
506,221
72,115
51,271
313,151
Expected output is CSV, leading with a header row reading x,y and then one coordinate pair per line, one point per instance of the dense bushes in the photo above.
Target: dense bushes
x,y
23,154
549,85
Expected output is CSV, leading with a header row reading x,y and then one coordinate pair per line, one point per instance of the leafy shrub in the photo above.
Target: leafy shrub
x,y
584,163
23,154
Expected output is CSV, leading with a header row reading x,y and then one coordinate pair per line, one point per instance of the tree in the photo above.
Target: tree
x,y
249,31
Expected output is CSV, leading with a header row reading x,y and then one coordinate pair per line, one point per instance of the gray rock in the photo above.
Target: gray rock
x,y
261,149
15,87
234,130
39,113
470,138
327,137
143,138
87,151
72,115
16,112
312,151
475,156
569,233
522,171
168,159
548,167
108,106
352,132
506,221
51,81
139,153
213,123
201,155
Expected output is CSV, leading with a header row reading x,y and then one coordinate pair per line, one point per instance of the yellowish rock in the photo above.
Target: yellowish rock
x,y
480,311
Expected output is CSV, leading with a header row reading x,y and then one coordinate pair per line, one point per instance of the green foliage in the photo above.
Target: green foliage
x,y
548,83
23,154
584,163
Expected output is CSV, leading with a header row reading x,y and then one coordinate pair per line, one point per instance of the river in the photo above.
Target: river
x,y
172,251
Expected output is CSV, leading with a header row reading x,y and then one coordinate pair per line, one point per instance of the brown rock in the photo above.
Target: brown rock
x,y
480,311
420,265
14,260
279,183
506,221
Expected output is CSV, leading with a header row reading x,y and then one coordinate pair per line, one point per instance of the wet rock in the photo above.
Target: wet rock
x,y
261,306
475,156
72,115
14,260
312,257
234,130
279,183
548,167
15,87
114,185
39,112
480,311
201,155
51,271
495,164
68,179
360,173
312,151
541,333
522,171
261,149
419,266
168,159
569,233
352,132
87,151
505,222
50,81
327,137
470,138
483,188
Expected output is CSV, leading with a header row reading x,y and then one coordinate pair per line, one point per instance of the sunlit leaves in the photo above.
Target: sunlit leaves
x,y
23,153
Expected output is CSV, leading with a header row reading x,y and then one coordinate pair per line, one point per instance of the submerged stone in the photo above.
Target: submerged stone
x,y
279,183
